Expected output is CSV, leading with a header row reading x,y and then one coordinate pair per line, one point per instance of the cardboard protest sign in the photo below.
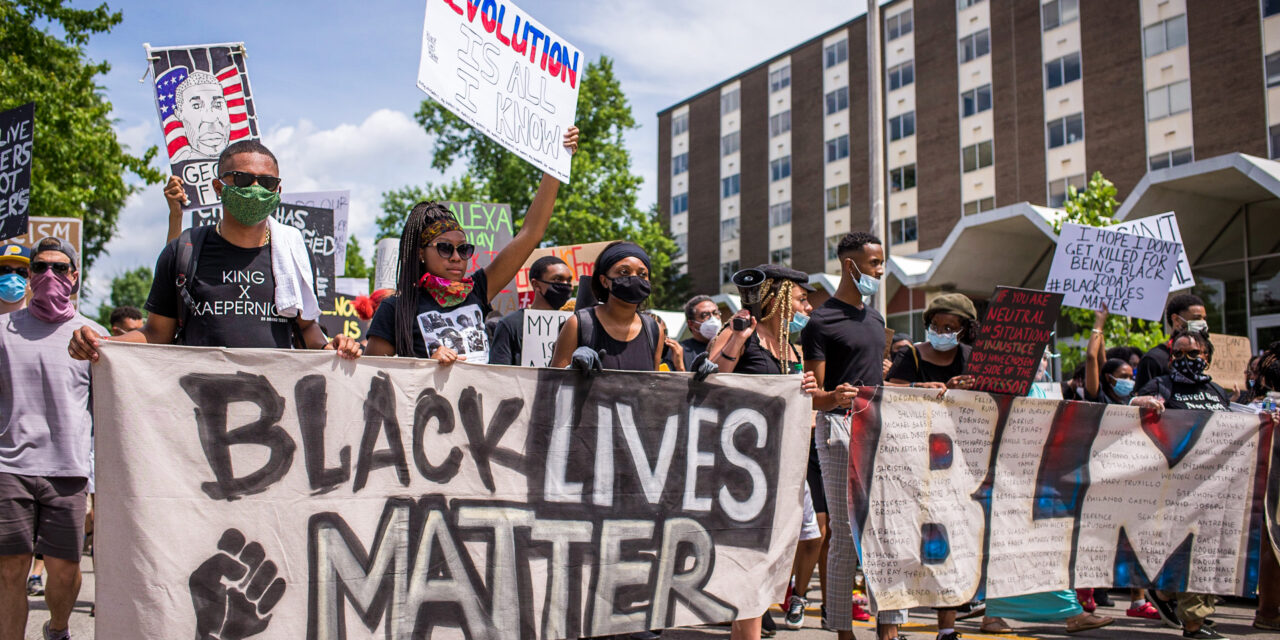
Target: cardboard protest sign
x,y
1011,340
316,225
17,135
1163,227
504,73
581,259
541,328
1231,355
386,263
968,494
357,499
68,229
340,203
352,287
1128,273
340,319
202,95
487,226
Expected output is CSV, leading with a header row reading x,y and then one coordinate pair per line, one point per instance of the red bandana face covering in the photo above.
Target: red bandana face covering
x,y
448,293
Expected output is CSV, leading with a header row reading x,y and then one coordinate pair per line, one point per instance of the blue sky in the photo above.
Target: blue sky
x,y
334,83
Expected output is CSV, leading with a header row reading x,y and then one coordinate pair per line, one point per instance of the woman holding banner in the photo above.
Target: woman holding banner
x,y
951,325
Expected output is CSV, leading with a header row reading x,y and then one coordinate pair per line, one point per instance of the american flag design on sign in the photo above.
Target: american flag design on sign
x,y
203,98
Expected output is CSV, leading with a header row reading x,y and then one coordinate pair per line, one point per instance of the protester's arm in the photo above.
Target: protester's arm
x,y
1149,397
841,396
379,347
662,342
1094,355
677,354
176,196
728,345
157,330
313,336
507,263
565,343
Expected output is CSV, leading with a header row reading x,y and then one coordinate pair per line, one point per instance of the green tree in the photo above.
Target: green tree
x,y
599,204
1095,206
79,166
127,289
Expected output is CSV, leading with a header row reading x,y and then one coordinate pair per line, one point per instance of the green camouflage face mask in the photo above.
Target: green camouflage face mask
x,y
249,205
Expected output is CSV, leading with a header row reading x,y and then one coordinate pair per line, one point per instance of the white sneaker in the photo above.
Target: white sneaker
x,y
795,612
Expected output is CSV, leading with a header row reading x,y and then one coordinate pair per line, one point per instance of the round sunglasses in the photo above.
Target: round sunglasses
x,y
242,179
447,249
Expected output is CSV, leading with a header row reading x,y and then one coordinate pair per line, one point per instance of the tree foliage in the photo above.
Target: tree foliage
x,y
79,166
599,204
1095,206
127,289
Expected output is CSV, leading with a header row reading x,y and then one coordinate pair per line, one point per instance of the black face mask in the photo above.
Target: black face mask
x,y
557,293
630,289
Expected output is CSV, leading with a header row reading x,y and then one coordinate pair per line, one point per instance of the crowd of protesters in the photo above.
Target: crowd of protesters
x,y
248,282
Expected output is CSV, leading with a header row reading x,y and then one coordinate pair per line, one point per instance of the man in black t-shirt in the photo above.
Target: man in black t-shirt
x,y
703,317
233,290
552,284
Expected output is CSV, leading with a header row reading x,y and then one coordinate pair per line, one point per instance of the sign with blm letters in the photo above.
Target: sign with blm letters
x,y
1128,273
504,73
1011,340
17,134
541,328
1163,227
1231,354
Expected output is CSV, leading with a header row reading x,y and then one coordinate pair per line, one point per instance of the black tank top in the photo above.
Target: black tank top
x,y
636,355
755,359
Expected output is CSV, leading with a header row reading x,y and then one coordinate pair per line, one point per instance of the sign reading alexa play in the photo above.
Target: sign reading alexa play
x,y
297,495
1099,266
493,65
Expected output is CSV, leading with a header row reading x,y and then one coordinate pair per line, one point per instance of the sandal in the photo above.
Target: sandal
x,y
1086,622
995,625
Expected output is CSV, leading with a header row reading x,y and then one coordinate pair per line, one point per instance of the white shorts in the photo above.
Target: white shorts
x,y
809,528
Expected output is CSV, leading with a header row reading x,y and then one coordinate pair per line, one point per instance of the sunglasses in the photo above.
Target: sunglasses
x,y
60,268
1178,355
447,249
22,271
242,180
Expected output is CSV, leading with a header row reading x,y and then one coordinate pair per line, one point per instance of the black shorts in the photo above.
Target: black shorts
x,y
814,477
43,515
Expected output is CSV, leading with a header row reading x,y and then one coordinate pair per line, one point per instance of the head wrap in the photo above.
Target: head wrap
x,y
613,254
435,229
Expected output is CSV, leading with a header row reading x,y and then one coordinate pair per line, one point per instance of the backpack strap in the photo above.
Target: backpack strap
x,y
649,329
186,260
586,328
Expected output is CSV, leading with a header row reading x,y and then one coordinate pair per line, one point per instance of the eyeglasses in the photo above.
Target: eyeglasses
x,y
22,271
1194,353
60,268
704,316
447,249
242,180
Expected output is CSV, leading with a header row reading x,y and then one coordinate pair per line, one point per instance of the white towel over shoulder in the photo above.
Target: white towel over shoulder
x,y
291,268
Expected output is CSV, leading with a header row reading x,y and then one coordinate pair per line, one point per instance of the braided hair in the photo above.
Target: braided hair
x,y
412,269
778,302
1269,370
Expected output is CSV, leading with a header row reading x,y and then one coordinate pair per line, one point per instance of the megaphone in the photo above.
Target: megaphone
x,y
748,282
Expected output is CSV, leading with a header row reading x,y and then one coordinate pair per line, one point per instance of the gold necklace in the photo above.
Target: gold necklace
x,y
266,239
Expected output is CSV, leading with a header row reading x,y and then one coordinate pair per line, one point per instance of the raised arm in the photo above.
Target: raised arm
x,y
1095,354
176,196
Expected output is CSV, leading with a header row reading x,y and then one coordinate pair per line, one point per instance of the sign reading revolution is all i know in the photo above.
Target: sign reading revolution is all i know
x,y
496,67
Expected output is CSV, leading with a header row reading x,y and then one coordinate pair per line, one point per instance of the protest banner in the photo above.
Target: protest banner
x,y
316,225
352,287
1231,355
341,319
1011,340
340,202
386,263
17,134
391,497
541,328
203,98
979,495
1163,227
41,227
505,74
1128,273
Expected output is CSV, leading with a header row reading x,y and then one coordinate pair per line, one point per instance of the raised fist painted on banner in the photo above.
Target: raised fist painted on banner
x,y
234,591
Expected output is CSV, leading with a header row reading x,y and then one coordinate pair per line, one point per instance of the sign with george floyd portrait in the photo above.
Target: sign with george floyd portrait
x,y
203,98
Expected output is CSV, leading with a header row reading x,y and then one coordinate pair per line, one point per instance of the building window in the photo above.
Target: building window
x,y
975,100
729,102
833,247
835,53
1064,131
1274,135
902,231
1163,36
779,79
779,124
779,169
902,126
682,243
727,269
961,5
1059,189
1060,12
730,143
978,206
1168,100
902,75
1171,158
1273,67
978,156
780,256
838,100
679,124
729,229
1270,7
1063,70
679,204
838,148
780,214
975,46
902,178
679,164
838,197
900,25
730,186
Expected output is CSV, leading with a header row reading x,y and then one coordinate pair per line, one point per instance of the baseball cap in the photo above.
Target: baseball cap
x,y
58,244
15,252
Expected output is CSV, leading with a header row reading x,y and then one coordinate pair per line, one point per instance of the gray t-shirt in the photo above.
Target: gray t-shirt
x,y
45,421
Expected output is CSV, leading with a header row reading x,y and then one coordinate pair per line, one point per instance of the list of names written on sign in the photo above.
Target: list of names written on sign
x,y
17,130
1011,340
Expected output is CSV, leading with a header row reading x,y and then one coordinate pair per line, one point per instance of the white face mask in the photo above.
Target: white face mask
x,y
710,328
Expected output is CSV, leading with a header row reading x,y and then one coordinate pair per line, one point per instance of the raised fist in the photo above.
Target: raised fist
x,y
234,591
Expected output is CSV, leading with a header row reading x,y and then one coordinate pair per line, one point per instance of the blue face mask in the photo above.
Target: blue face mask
x,y
13,287
941,341
1124,386
798,323
867,285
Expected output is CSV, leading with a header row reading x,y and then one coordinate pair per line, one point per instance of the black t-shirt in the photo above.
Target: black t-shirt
x,y
1153,365
459,327
1207,396
234,292
755,359
905,368
508,339
692,347
850,340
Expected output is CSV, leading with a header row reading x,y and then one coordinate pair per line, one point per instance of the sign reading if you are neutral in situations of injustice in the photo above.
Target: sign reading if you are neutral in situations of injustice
x,y
1129,274
493,65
